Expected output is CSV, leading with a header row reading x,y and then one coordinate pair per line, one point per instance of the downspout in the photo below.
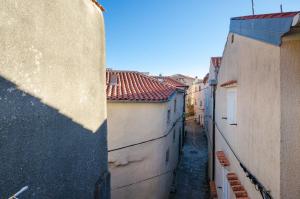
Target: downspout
x,y
213,83
183,121
214,131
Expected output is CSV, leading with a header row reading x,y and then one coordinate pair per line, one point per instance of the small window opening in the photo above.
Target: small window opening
x,y
113,80
167,156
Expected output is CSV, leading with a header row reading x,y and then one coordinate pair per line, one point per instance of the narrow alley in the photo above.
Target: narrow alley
x,y
191,175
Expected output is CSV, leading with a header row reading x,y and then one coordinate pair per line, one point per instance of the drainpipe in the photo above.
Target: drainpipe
x,y
214,131
213,83
183,123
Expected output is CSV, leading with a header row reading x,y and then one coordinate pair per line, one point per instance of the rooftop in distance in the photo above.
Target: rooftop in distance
x,y
133,86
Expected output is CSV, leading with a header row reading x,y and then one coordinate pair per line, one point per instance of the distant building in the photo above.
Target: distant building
x,y
198,89
257,110
183,79
52,100
145,119
171,81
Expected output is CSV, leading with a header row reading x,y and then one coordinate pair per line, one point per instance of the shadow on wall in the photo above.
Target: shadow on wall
x,y
47,151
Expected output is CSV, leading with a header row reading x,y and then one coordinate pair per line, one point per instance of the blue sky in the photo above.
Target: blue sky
x,y
174,36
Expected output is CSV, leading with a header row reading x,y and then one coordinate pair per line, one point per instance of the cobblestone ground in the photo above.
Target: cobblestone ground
x,y
191,174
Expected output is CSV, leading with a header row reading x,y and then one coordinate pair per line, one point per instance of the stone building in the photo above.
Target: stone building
x,y
145,133
52,100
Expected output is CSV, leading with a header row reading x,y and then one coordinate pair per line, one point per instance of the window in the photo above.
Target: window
x,y
175,104
113,80
174,135
167,156
231,106
169,116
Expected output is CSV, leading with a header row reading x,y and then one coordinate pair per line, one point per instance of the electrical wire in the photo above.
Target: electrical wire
x,y
144,180
257,185
151,140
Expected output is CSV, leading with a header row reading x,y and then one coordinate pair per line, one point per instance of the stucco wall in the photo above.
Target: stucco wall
x,y
290,115
256,138
52,98
141,171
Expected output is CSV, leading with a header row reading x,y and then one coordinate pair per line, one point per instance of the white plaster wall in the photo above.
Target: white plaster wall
x,y
53,131
131,123
290,116
256,138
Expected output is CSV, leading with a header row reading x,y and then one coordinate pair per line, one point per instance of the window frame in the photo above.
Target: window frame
x,y
231,105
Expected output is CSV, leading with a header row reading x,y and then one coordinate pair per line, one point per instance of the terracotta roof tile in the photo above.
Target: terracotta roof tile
x,y
222,158
229,83
205,79
267,16
170,81
135,86
99,5
236,186
213,189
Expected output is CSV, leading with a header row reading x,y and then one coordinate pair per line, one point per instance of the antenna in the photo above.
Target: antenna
x,y
252,1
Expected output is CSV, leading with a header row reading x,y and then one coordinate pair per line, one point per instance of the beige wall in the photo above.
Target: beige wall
x,y
256,138
131,123
290,115
52,99
49,56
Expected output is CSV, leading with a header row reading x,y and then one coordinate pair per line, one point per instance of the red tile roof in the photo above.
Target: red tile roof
x,y
236,186
171,81
206,78
135,86
216,61
268,16
213,189
229,83
222,158
99,5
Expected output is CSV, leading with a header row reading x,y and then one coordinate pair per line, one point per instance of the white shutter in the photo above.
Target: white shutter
x,y
231,106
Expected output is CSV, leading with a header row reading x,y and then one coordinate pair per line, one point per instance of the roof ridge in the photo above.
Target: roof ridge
x,y
99,5
267,15
136,86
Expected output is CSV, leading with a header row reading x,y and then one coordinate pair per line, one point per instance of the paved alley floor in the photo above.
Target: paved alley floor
x,y
191,174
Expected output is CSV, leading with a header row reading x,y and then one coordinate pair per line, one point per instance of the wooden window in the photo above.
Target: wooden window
x,y
232,106
167,156
175,104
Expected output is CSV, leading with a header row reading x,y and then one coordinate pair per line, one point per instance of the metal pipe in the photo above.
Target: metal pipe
x,y
214,132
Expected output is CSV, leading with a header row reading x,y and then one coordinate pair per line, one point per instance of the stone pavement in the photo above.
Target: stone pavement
x,y
191,174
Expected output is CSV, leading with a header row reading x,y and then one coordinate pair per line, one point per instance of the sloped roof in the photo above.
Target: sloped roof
x,y
182,76
269,28
216,61
267,16
205,78
99,5
133,86
171,81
